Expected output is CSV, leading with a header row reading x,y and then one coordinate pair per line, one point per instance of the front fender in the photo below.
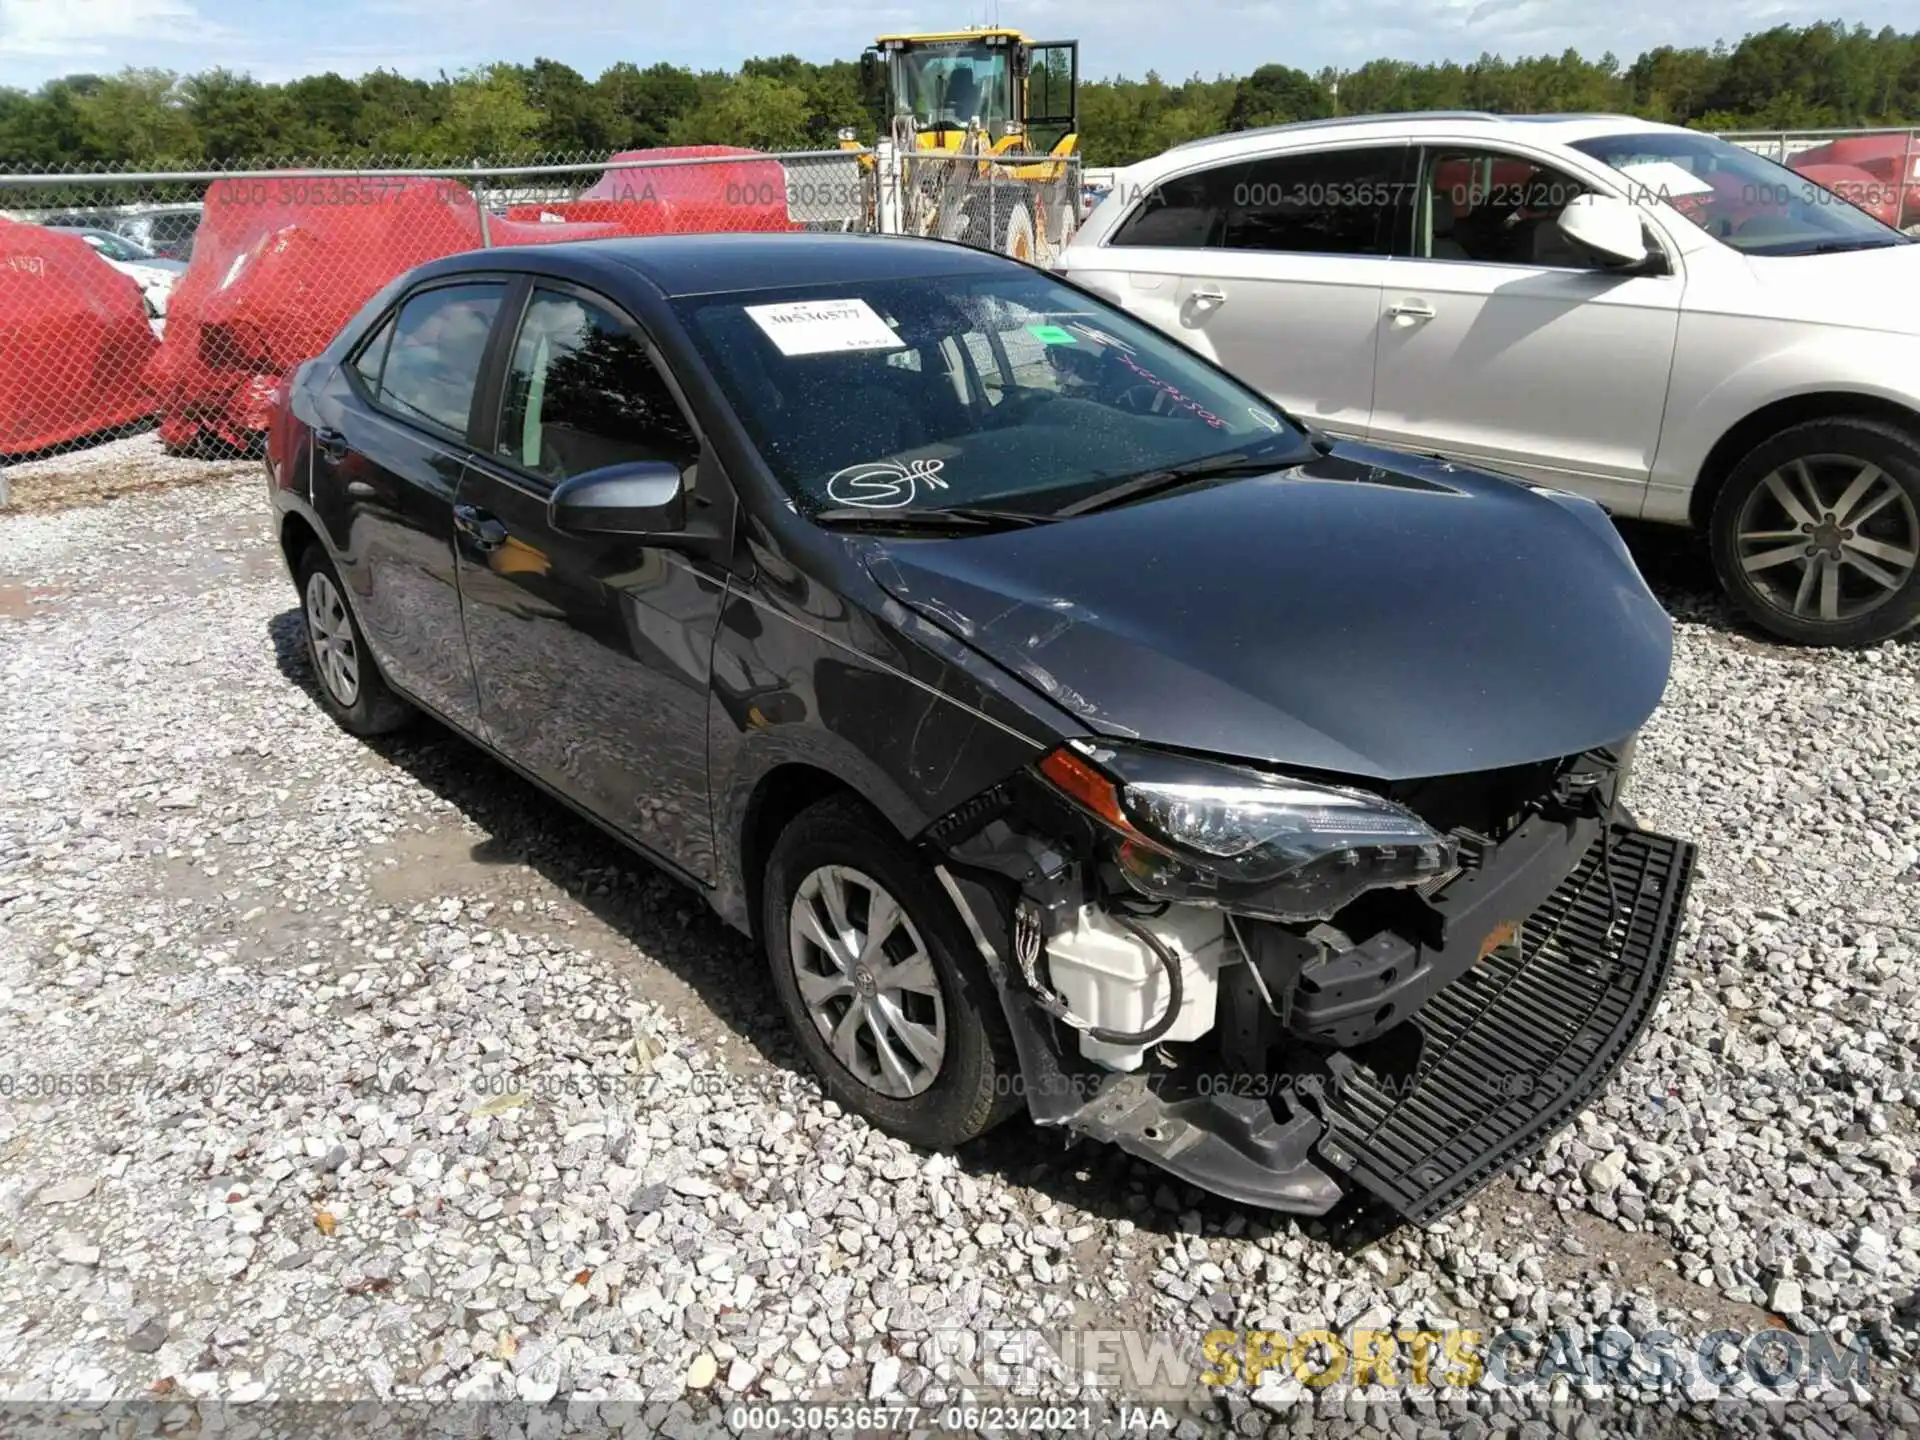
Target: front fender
x,y
1723,373
899,713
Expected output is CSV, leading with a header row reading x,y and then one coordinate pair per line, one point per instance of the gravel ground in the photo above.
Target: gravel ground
x,y
133,465
392,1080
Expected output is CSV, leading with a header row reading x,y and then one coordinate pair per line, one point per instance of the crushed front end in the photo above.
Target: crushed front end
x,y
1285,989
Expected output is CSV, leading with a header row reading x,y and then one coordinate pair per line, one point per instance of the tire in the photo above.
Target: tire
x,y
1020,242
954,224
970,1087
1838,572
352,690
1064,229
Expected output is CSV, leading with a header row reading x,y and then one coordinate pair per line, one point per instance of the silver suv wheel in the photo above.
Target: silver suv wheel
x,y
1828,537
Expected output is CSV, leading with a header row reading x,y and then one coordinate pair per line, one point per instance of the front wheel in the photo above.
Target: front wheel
x,y
894,1009
1816,534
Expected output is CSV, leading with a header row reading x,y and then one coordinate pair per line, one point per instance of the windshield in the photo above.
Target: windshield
x,y
117,247
950,391
1740,198
954,83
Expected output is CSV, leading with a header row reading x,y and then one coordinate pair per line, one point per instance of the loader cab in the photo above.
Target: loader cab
x,y
987,89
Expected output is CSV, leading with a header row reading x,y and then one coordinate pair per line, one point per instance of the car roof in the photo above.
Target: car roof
x,y
1413,125
680,265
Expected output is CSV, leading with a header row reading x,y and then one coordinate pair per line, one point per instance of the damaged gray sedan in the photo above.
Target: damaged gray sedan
x,y
1074,732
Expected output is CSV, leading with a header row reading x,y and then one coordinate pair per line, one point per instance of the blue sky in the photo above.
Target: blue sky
x,y
278,39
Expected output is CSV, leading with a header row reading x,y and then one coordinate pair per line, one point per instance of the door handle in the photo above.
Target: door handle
x,y
332,444
1411,310
1209,295
477,525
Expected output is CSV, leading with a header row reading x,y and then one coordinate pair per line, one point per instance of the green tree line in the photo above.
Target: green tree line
x,y
1828,74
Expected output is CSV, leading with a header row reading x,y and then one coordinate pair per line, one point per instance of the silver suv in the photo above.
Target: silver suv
x,y
1648,316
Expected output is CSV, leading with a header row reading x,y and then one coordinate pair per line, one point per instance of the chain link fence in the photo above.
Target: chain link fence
x,y
143,312
1023,206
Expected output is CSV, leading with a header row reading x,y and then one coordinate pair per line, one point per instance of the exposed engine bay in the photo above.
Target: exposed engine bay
x,y
1286,990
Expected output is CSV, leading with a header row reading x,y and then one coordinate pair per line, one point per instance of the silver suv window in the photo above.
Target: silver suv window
x,y
1496,208
1322,202
1741,199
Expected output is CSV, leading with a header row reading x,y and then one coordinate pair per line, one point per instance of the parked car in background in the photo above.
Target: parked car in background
x,y
1649,316
164,230
155,274
1066,723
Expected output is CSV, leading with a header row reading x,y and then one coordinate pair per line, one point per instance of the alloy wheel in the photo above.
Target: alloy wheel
x,y
1828,538
330,630
867,981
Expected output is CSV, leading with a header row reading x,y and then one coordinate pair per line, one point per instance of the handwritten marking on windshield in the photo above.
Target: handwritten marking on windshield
x,y
884,484
1172,392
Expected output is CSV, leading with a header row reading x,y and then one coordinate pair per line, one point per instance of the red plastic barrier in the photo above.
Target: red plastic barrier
x,y
279,265
74,339
1892,160
745,190
1878,196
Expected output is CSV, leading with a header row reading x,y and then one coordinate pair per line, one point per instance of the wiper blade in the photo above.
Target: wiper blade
x,y
929,517
1148,482
1842,247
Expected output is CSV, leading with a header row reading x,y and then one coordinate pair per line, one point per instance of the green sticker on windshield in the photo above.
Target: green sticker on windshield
x,y
1052,334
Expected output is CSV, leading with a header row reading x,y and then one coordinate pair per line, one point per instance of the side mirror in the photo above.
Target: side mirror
x,y
643,498
1606,226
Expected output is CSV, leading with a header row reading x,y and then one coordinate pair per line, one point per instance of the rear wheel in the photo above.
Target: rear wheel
x,y
1066,223
351,687
874,969
1816,534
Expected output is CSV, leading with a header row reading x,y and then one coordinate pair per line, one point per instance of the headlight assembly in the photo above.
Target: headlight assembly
x,y
1209,832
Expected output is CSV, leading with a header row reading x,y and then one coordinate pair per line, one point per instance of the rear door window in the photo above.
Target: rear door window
x,y
433,361
1329,202
372,355
1188,212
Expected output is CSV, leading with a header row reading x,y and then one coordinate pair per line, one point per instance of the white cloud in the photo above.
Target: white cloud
x,y
59,29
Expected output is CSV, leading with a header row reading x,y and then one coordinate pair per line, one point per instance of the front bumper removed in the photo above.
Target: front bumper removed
x,y
1481,1074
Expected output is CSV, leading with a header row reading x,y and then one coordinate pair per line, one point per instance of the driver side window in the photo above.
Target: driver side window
x,y
583,393
1495,209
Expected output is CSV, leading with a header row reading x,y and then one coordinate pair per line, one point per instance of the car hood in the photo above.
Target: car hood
x,y
1867,289
1366,613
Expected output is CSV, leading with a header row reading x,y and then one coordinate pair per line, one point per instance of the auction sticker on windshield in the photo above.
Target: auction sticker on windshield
x,y
1663,178
818,327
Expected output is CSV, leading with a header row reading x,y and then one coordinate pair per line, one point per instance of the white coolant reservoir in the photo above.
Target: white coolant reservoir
x,y
1113,980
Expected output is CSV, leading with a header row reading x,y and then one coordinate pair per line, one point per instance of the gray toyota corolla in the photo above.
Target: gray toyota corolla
x,y
1073,730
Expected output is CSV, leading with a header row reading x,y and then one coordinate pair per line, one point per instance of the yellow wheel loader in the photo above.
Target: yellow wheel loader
x,y
987,122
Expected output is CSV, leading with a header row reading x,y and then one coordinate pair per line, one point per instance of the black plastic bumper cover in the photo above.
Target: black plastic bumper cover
x,y
1516,1047
1509,1053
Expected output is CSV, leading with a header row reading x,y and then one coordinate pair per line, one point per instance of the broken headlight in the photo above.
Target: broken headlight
x,y
1212,833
